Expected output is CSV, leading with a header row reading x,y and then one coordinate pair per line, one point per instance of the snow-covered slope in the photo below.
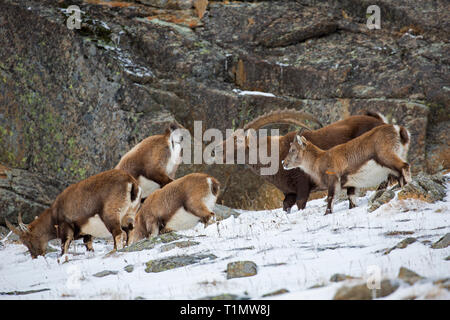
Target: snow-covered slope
x,y
292,251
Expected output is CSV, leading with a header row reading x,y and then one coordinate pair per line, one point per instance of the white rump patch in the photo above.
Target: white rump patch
x,y
96,228
369,175
175,153
210,200
148,186
182,220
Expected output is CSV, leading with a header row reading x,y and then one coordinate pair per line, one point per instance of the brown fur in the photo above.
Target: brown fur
x,y
104,194
296,184
187,192
149,158
331,168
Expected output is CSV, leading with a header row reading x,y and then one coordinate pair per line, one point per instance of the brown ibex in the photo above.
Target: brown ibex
x,y
177,206
92,207
153,162
363,162
295,184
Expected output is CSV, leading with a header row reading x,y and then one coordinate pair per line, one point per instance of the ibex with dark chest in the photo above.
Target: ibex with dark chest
x,y
295,184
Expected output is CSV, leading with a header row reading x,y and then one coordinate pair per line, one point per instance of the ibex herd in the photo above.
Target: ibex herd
x,y
140,197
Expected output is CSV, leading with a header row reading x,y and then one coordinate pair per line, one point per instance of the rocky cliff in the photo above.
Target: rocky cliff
x,y
72,102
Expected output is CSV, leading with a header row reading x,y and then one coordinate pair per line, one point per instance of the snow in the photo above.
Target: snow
x,y
253,93
293,251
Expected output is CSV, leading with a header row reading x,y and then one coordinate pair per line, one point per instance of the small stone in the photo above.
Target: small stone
x,y
402,244
443,242
179,244
222,212
147,244
275,293
443,283
129,268
105,273
409,276
175,262
338,277
224,296
239,269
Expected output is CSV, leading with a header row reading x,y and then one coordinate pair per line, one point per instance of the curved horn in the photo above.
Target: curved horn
x,y
12,228
286,116
22,225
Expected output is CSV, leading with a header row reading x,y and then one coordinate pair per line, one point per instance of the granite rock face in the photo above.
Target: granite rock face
x,y
74,101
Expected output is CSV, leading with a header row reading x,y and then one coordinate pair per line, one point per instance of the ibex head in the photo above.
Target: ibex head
x,y
36,244
297,153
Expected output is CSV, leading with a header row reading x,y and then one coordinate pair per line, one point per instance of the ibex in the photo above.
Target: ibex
x,y
177,206
92,207
295,184
153,162
363,162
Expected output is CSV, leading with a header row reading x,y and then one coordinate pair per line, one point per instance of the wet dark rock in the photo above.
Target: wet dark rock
x,y
240,269
165,264
443,242
362,292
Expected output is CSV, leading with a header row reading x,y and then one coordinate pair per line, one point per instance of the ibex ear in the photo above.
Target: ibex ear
x,y
298,139
304,139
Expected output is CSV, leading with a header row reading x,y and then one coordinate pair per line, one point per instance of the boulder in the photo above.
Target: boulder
x,y
239,269
402,244
424,187
362,292
443,242
165,264
379,198
409,276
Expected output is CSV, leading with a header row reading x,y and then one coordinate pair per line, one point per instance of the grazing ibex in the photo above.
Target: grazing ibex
x,y
153,162
92,207
179,205
363,162
295,184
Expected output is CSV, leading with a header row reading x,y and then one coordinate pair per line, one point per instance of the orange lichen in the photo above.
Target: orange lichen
x,y
184,20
